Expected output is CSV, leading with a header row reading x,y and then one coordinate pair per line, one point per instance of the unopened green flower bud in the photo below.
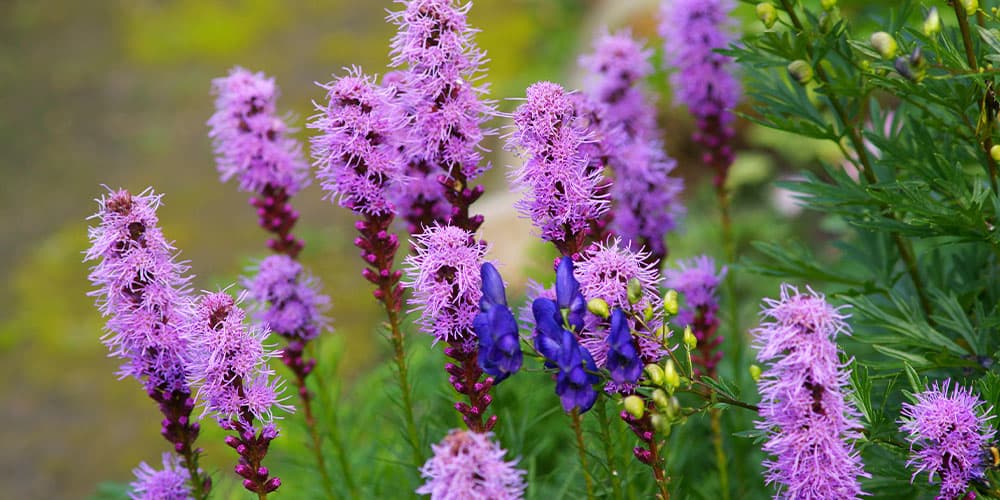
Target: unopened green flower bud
x,y
635,406
690,341
932,23
995,152
884,44
654,373
828,4
634,291
800,71
672,408
661,424
599,307
970,6
662,333
670,375
660,399
647,313
755,373
826,21
767,14
670,304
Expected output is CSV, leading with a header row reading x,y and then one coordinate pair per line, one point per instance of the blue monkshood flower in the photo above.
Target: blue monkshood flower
x,y
568,294
499,345
562,350
623,362
576,379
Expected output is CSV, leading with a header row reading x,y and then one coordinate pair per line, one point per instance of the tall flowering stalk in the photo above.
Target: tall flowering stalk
x,y
358,152
809,423
251,145
237,386
444,274
949,431
438,86
468,464
143,290
562,193
644,195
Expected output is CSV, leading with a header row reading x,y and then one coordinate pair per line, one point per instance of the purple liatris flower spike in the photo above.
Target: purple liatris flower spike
x,y
287,298
440,89
948,432
495,326
358,149
250,138
702,79
232,362
561,191
645,196
469,465
698,282
237,385
142,288
809,422
169,483
444,274
623,361
604,272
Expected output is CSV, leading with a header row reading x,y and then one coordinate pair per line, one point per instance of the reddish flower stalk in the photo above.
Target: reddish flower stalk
x,y
650,452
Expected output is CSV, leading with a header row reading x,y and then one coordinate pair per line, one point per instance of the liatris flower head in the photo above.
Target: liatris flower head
x,y
287,298
440,90
142,287
250,139
615,68
444,274
623,361
809,423
360,148
169,483
495,326
948,432
469,465
232,362
647,198
702,79
561,190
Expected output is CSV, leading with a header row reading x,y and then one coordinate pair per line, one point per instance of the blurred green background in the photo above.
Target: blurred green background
x,y
117,93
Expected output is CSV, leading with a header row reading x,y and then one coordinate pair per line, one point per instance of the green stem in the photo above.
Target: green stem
x,y
581,448
609,454
720,452
317,449
342,461
404,384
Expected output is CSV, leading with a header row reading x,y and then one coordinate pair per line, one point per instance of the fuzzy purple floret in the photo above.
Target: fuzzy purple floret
x,y
469,465
604,271
142,290
250,139
439,87
287,298
809,422
697,281
360,148
615,71
231,361
560,189
445,278
168,483
702,79
949,432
